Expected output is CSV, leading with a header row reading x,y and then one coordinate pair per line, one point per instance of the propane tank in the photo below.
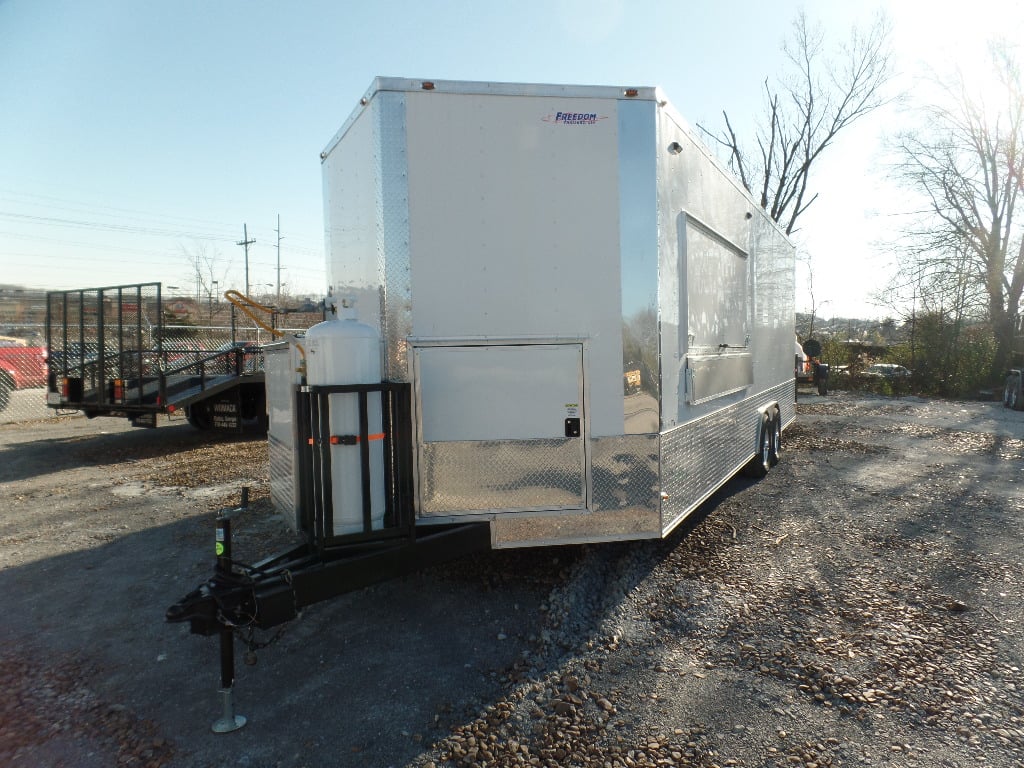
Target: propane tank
x,y
342,350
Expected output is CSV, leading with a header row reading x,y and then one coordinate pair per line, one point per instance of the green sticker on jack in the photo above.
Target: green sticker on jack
x,y
220,548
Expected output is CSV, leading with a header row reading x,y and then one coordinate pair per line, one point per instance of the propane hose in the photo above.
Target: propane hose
x,y
246,304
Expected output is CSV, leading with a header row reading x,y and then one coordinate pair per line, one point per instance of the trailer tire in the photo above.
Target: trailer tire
x,y
199,416
776,446
758,466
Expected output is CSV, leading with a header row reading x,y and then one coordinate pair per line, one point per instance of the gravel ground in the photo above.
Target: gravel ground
x,y
859,606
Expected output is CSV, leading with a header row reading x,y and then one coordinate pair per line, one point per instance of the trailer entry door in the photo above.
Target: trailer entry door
x,y
500,428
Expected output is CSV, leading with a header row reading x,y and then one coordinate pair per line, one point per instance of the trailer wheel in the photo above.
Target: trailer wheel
x,y
758,466
776,447
199,416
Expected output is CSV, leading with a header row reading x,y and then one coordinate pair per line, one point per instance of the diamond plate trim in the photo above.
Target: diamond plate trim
x,y
282,478
474,476
523,530
624,500
698,457
624,473
393,259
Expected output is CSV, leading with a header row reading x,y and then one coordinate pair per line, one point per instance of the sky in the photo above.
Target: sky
x,y
133,134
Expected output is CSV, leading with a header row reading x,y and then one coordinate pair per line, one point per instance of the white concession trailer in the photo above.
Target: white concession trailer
x,y
593,318
556,319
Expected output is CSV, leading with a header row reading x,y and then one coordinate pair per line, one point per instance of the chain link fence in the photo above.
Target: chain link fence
x,y
162,331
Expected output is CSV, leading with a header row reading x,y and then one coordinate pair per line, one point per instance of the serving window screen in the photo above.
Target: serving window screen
x,y
716,289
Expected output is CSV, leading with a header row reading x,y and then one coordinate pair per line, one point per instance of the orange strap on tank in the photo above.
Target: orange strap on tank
x,y
352,439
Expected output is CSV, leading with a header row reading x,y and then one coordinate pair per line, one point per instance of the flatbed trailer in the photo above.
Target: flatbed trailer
x,y
111,355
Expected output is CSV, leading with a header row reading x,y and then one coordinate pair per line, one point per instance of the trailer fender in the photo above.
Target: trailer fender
x,y
776,431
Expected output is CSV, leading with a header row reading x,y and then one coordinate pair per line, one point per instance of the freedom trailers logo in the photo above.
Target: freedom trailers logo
x,y
574,118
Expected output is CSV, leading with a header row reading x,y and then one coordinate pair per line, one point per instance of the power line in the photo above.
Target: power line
x,y
180,226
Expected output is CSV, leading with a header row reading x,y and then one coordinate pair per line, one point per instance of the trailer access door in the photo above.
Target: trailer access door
x,y
501,428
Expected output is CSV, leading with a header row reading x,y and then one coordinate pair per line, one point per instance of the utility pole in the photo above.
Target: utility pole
x,y
246,242
278,259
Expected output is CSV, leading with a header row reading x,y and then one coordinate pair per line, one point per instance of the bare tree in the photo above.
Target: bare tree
x,y
968,163
209,272
817,98
815,304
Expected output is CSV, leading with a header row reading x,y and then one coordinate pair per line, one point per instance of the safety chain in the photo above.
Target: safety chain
x,y
247,633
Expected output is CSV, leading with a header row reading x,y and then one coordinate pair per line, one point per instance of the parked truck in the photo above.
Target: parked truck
x,y
556,319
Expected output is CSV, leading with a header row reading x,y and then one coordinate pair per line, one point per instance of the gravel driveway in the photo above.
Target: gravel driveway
x,y
859,606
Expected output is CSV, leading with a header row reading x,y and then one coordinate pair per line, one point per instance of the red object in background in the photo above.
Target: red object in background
x,y
27,364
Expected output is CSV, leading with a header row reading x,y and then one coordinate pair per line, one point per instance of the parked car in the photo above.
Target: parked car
x,y
26,366
887,371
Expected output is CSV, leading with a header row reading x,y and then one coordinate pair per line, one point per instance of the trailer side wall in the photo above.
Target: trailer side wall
x,y
726,309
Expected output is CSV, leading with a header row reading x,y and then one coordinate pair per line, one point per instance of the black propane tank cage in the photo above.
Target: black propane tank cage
x,y
240,598
315,442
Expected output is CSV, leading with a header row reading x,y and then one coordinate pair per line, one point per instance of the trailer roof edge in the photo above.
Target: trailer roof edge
x,y
482,87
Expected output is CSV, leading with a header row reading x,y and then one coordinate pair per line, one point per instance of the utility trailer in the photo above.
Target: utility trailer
x,y
573,326
110,354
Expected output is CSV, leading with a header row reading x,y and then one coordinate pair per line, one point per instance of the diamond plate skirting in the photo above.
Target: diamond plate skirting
x,y
474,476
698,457
628,474
624,500
282,478
624,473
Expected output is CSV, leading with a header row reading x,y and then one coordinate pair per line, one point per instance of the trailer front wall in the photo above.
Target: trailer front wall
x,y
475,215
514,227
464,217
